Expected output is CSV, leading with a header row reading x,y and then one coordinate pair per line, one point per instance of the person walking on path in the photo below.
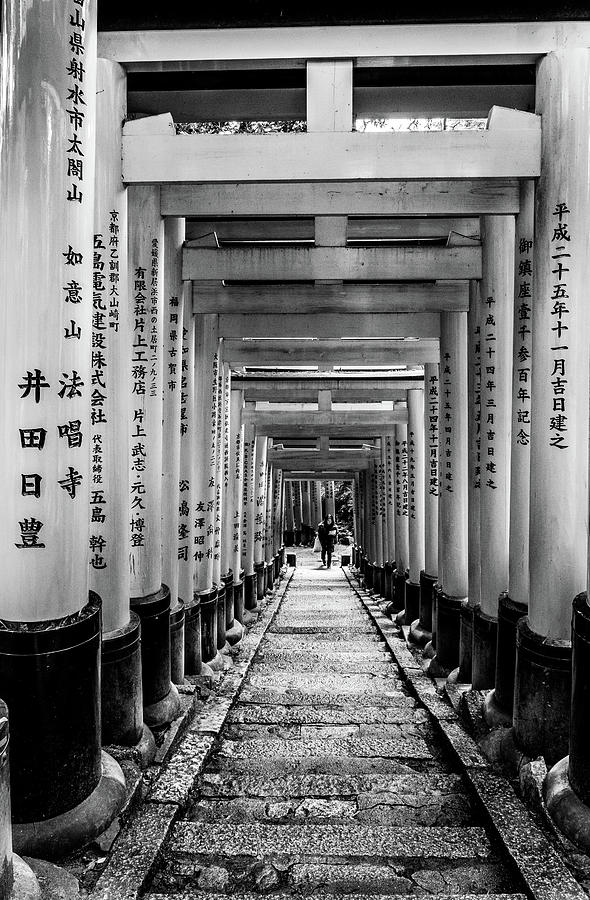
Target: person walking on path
x,y
327,535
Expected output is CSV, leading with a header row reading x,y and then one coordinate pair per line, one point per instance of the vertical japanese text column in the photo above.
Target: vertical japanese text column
x,y
415,503
47,135
173,323
497,297
453,488
184,369
230,543
559,406
260,457
421,632
389,443
402,535
150,598
222,579
474,426
268,539
235,492
205,468
513,604
330,502
121,688
249,516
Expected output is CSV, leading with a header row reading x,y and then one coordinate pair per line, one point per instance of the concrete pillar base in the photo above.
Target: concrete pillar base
x,y
465,642
542,694
400,618
260,571
579,765
429,651
571,816
177,643
288,538
483,663
220,617
216,663
234,634
448,614
192,637
57,837
250,601
239,599
435,669
121,691
495,716
269,575
163,711
369,573
412,605
208,601
379,580
418,634
25,883
250,616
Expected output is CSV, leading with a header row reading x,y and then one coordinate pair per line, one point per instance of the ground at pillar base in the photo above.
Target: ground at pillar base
x,y
418,634
330,776
569,813
164,711
142,753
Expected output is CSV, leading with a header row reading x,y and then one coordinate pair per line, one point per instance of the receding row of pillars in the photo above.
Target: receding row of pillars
x,y
142,521
306,504
492,545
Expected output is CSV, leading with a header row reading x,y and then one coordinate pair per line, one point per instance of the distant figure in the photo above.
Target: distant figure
x,y
327,535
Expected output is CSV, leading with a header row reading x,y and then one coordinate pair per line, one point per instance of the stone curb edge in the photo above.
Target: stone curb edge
x,y
543,872
138,845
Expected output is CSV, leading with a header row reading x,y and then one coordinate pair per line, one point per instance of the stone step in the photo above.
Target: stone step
x,y
289,696
292,655
348,841
401,709
277,752
342,682
347,664
342,630
324,644
398,731
197,894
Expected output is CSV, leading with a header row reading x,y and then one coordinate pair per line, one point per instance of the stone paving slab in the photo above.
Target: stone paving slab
x,y
406,746
343,630
328,665
250,785
402,709
135,853
204,895
324,643
341,683
291,655
351,841
178,778
288,697
397,731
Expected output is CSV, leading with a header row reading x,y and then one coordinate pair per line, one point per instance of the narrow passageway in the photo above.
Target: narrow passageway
x,y
328,778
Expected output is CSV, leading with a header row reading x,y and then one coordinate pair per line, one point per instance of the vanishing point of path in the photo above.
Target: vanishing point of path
x,y
328,779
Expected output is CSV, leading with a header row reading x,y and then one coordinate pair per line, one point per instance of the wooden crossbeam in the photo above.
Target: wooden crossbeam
x,y
319,422
323,473
354,390
406,44
331,298
333,353
358,157
491,196
331,325
398,263
358,229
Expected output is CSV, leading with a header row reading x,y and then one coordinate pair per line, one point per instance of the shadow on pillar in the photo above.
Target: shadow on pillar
x,y
567,785
209,652
447,612
542,694
177,624
161,703
233,628
193,658
499,703
421,629
388,576
122,692
483,661
65,790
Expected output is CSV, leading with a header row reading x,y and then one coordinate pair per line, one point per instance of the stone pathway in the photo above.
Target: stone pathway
x,y
328,778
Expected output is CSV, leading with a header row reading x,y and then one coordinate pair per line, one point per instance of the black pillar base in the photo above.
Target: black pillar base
x,y
192,636
378,579
283,556
448,613
50,680
427,583
297,537
542,694
288,538
222,644
208,602
121,690
233,628
177,643
483,663
56,837
412,602
568,811
579,764
388,581
239,599
270,575
250,598
260,570
465,643
501,701
363,564
399,589
430,647
369,572
277,566
160,699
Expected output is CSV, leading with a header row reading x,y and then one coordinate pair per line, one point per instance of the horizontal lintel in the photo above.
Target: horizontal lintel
x,y
399,263
340,156
475,197
330,325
